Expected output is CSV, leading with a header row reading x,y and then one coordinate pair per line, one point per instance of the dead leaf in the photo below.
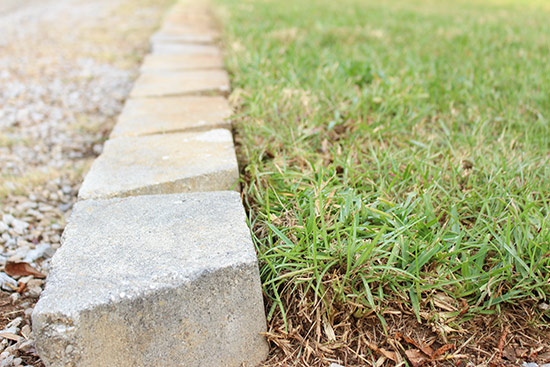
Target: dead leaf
x,y
522,352
22,269
444,302
388,354
509,354
416,357
448,330
443,350
427,350
8,335
329,331
380,361
502,340
465,308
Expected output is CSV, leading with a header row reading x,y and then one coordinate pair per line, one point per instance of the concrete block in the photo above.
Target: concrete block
x,y
189,13
153,281
163,164
147,116
174,83
195,17
181,32
183,35
174,48
181,62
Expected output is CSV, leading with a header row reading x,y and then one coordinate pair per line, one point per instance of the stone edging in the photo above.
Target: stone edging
x,y
157,266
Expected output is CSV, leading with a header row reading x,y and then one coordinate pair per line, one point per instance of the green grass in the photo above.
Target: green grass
x,y
394,150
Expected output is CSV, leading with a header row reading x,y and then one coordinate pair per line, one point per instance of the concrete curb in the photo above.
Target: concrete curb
x,y
157,266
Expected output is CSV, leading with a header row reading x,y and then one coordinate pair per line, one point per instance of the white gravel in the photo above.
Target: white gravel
x,y
66,67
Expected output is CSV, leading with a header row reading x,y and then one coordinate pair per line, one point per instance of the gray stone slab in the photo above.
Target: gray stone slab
x,y
153,281
175,48
162,164
174,83
146,116
181,62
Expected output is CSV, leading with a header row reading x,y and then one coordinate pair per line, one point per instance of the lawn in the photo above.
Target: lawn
x,y
395,162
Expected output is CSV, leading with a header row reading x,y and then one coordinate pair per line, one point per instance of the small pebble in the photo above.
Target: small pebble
x,y
34,292
26,346
8,219
37,252
7,361
7,283
14,297
19,226
26,331
31,283
15,323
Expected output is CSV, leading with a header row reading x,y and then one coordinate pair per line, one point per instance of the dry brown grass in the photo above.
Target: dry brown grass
x,y
352,336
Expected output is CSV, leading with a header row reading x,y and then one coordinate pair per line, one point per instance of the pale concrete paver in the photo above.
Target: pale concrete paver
x,y
181,32
146,116
175,48
161,280
183,36
160,84
189,14
181,62
162,164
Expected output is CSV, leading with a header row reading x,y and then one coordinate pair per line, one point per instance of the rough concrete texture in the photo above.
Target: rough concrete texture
x,y
179,48
173,83
147,116
181,62
186,32
153,281
189,23
194,14
185,35
163,164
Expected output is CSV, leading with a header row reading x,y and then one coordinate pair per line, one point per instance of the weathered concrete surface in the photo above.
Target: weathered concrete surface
x,y
190,31
146,116
162,164
184,35
195,14
188,22
153,281
181,62
173,83
175,48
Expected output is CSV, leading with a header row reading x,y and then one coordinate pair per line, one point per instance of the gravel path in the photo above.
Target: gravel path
x,y
66,67
10,6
